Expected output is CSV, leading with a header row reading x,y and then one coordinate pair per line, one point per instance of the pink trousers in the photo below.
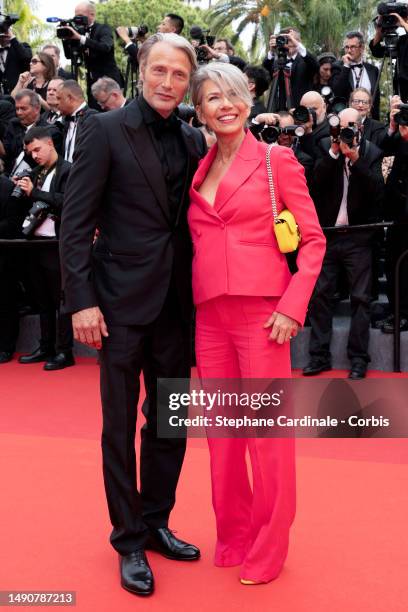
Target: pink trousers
x,y
252,523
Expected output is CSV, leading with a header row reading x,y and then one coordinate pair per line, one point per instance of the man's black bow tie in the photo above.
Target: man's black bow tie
x,y
171,124
4,48
356,66
69,118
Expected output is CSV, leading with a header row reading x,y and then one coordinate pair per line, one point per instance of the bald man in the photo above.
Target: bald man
x,y
347,190
97,49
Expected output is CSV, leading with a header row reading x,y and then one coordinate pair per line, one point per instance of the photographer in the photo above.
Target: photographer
x,y
396,210
14,59
171,23
317,127
373,130
45,192
347,190
353,71
258,83
302,64
95,46
224,47
379,49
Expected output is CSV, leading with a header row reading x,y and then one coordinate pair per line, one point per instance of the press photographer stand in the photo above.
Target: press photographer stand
x,y
280,96
390,54
131,79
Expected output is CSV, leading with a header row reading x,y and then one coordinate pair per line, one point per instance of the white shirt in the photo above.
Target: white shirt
x,y
360,77
47,228
342,216
71,134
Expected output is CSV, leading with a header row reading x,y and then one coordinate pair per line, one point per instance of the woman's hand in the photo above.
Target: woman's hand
x,y
283,328
24,78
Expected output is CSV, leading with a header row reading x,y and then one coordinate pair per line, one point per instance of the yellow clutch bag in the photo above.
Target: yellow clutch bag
x,y
286,229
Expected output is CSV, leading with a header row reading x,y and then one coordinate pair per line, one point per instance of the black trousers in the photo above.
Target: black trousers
x,y
45,275
395,244
163,350
352,252
9,317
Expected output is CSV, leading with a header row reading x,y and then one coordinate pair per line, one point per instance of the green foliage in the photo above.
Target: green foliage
x,y
28,28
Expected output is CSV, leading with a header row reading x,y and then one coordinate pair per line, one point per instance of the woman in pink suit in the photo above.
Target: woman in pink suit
x,y
248,307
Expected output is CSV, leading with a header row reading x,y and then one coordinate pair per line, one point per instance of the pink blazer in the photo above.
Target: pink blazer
x,y
235,249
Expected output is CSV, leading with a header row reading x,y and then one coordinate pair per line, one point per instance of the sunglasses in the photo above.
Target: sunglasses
x,y
35,61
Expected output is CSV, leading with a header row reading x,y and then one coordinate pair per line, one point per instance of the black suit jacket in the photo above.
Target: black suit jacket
x,y
117,185
396,200
84,116
55,196
365,192
374,131
302,73
18,61
99,54
342,84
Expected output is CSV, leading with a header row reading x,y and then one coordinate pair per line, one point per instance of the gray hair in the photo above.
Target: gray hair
x,y
35,100
88,4
174,40
105,84
226,76
74,89
51,46
361,90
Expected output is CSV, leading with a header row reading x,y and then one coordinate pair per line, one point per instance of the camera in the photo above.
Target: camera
x,y
17,191
281,40
136,32
186,112
345,134
6,21
301,115
271,133
387,21
334,104
401,118
203,38
79,23
36,216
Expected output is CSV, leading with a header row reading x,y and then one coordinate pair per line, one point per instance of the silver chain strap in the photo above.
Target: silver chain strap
x,y
271,184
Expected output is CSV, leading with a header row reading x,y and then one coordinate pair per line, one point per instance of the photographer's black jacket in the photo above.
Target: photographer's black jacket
x,y
379,51
365,191
98,54
18,61
301,77
396,191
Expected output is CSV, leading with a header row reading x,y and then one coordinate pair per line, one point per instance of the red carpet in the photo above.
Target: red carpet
x,y
349,543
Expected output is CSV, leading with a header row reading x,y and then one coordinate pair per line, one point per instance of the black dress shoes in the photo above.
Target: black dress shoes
x,y
5,356
315,366
163,541
36,356
136,575
358,370
60,361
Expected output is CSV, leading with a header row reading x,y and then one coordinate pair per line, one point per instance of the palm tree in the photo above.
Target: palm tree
x,y
322,23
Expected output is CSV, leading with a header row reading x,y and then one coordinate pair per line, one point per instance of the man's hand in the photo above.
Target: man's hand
x,y
283,328
350,152
268,118
123,33
75,34
402,23
335,147
89,326
272,43
26,185
394,104
346,59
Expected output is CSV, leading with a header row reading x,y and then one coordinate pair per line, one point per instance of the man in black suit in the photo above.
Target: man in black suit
x,y
317,128
75,113
96,47
14,59
47,185
379,49
347,190
131,293
301,64
354,72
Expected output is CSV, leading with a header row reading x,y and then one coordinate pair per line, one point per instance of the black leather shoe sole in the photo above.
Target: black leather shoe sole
x,y
50,366
151,545
312,371
136,591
